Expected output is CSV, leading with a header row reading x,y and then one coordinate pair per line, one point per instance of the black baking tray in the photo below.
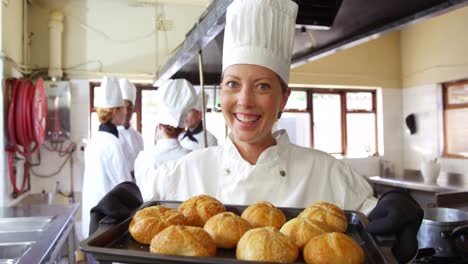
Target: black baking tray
x,y
113,242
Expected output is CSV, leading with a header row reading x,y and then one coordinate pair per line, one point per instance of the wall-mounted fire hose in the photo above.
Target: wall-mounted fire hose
x,y
26,119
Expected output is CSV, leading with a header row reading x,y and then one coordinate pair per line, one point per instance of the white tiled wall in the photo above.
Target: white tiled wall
x,y
426,103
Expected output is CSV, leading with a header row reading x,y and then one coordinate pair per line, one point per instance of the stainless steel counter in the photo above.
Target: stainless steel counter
x,y
445,182
41,242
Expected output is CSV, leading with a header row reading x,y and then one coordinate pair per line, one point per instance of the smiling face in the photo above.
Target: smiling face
x,y
251,97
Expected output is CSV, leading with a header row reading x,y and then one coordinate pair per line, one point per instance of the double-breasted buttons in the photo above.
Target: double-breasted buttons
x,y
282,173
227,171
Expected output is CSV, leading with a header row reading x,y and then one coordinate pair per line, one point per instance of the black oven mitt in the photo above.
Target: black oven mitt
x,y
397,213
117,204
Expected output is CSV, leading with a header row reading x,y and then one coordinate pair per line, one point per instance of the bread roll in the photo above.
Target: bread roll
x,y
264,214
301,230
199,209
266,244
226,229
149,221
327,213
333,248
183,241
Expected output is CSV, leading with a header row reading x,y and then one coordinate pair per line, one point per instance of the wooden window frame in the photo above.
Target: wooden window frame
x,y
447,106
344,112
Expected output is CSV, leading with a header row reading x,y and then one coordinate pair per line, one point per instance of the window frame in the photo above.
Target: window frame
x,y
447,106
344,112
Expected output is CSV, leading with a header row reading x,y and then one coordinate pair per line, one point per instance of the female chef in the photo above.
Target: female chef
x,y
105,165
175,99
255,164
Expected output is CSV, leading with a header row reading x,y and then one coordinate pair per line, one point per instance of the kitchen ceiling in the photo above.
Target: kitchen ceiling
x,y
356,21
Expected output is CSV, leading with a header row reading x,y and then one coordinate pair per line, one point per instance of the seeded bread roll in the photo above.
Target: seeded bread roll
x,y
301,230
149,221
264,214
333,248
183,241
226,229
199,209
327,213
266,244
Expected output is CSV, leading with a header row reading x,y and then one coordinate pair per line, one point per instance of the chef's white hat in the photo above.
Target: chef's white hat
x,y
198,102
260,32
128,90
108,95
175,99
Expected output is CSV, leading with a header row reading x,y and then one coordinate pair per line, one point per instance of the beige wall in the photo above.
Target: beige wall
x,y
110,37
374,63
12,28
436,50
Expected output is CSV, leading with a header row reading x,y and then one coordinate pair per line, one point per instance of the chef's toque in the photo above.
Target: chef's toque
x,y
128,90
175,99
108,95
198,102
260,32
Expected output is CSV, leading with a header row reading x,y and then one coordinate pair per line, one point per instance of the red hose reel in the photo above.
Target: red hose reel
x,y
27,115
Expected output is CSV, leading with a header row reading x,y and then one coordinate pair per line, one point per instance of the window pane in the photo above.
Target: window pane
x,y
327,122
94,123
297,100
298,127
458,94
148,116
361,134
457,131
213,99
359,101
216,125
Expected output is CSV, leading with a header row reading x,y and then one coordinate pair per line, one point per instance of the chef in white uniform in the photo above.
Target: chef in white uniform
x,y
194,136
175,98
257,165
105,165
131,139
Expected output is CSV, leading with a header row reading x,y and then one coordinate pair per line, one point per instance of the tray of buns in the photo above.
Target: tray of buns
x,y
130,242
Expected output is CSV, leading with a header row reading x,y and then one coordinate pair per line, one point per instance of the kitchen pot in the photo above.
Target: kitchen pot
x,y
446,231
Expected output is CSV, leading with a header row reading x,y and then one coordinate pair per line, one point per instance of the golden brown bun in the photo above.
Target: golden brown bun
x,y
266,244
199,209
226,229
149,221
333,248
264,214
183,241
327,213
301,230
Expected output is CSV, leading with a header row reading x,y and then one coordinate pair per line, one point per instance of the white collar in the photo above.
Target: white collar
x,y
272,154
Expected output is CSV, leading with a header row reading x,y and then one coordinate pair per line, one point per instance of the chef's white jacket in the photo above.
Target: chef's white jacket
x,y
132,144
105,167
200,137
286,175
148,160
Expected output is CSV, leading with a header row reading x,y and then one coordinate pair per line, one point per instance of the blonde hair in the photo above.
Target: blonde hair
x,y
104,115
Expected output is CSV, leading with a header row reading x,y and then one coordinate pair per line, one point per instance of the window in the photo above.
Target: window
x,y
455,104
340,122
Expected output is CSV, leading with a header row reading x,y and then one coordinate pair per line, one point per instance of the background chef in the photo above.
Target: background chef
x,y
131,139
105,164
175,99
194,136
255,164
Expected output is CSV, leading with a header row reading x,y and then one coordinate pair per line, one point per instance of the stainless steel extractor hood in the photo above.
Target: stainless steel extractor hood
x,y
349,23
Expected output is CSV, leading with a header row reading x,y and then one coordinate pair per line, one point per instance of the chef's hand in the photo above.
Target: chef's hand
x,y
117,204
399,214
